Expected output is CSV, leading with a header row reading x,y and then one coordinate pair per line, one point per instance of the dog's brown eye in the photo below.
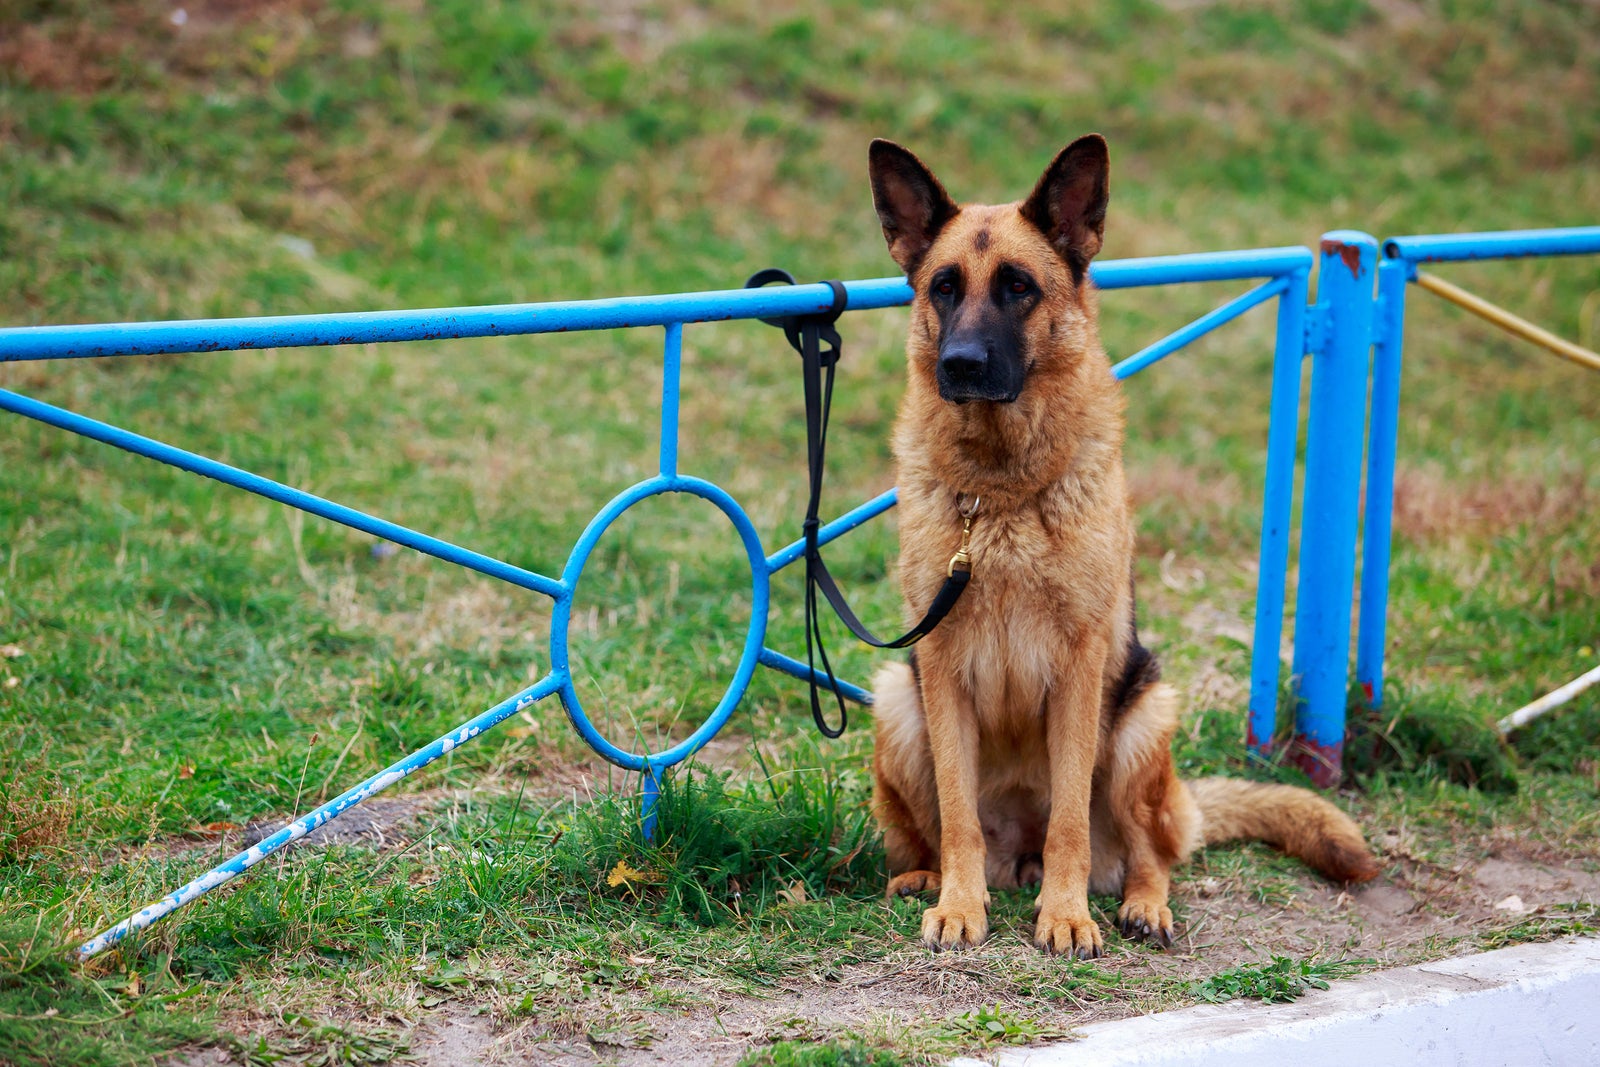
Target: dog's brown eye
x,y
945,288
1019,287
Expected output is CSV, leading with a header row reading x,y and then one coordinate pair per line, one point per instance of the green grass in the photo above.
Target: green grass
x,y
820,1054
178,658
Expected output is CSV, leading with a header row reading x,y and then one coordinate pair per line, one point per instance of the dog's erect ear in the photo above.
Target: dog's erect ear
x,y
1069,203
911,203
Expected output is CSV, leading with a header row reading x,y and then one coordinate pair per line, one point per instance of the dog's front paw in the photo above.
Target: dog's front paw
x,y
1063,933
950,926
1149,920
913,882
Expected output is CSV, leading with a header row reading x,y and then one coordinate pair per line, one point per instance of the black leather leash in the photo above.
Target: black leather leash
x,y
808,334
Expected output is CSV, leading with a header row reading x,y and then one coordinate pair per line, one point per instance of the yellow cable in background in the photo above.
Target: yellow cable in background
x,y
1509,322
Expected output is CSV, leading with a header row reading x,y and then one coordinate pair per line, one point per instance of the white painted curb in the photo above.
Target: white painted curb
x,y
1523,1006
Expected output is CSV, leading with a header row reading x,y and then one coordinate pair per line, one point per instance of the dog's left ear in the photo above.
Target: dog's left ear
x,y
1069,203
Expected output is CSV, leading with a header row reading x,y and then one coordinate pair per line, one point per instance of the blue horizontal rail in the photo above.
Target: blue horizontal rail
x,y
503,320
1201,267
436,324
1501,244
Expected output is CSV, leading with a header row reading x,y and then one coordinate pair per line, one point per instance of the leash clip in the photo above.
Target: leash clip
x,y
963,556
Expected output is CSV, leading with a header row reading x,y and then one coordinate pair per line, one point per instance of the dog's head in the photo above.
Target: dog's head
x,y
994,284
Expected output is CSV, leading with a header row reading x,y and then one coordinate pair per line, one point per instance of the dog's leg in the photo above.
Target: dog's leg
x,y
904,800
961,918
1155,816
1072,729
913,865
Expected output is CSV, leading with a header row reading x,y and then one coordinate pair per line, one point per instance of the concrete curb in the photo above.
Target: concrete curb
x,y
1528,1005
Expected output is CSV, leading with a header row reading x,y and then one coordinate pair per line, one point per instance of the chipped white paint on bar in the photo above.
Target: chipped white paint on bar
x,y
299,828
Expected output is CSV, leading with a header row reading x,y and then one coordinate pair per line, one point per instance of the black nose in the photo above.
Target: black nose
x,y
964,361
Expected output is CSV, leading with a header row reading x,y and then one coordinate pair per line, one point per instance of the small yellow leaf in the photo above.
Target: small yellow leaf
x,y
795,894
622,874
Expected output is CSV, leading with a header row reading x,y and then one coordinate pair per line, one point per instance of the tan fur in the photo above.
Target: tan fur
x,y
1012,761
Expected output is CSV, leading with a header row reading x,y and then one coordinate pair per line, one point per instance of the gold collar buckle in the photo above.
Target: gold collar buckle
x,y
963,556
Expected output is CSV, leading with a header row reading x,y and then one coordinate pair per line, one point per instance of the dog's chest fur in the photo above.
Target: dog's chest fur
x,y
1046,572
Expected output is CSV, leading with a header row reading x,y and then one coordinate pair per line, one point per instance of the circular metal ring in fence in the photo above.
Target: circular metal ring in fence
x,y
562,616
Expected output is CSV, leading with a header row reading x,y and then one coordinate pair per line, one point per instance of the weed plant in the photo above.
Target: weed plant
x,y
1277,981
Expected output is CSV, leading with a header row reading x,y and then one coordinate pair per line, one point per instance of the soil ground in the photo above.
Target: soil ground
x,y
1416,910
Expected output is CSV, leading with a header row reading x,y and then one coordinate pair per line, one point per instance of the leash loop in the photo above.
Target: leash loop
x,y
817,340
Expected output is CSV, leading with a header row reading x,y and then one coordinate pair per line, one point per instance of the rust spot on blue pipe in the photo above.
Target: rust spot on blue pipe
x,y
1349,253
1323,763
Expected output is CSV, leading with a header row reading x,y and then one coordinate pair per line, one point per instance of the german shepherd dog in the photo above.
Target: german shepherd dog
x,y
1028,740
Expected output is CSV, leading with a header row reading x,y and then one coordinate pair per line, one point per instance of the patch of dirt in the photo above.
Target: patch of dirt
x,y
108,45
459,1039
199,1057
385,822
1412,913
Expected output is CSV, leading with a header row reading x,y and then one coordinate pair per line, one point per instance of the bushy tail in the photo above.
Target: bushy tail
x,y
1295,820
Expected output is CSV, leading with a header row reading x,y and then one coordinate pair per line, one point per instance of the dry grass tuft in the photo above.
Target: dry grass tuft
x,y
35,808
1430,508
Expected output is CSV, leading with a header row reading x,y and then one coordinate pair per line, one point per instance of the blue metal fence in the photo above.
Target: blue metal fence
x,y
1335,332
1399,267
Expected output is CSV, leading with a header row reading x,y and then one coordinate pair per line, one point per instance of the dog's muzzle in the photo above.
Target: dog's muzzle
x,y
967,370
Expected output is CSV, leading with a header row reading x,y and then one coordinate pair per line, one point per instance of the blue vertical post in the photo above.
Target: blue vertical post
x,y
1382,436
671,368
649,799
1283,433
671,389
1329,516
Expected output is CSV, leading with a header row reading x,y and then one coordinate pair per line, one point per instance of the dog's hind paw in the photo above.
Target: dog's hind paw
x,y
911,883
1063,935
1146,920
947,926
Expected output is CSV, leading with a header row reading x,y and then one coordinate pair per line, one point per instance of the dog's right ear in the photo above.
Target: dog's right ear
x,y
911,203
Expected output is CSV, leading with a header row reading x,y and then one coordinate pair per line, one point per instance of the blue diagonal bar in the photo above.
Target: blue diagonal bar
x,y
856,516
298,828
284,494
794,668
1199,328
